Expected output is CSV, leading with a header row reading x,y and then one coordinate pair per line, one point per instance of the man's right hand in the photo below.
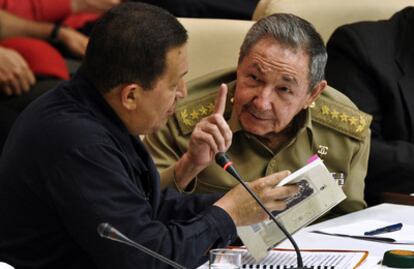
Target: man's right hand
x,y
15,74
244,210
210,136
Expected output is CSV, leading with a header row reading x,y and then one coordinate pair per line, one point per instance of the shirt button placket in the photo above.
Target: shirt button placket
x,y
271,168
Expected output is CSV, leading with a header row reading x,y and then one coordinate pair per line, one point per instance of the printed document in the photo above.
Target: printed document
x,y
318,194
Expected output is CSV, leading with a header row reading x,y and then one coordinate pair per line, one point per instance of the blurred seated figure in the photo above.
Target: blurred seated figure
x,y
29,62
29,66
373,64
54,10
227,9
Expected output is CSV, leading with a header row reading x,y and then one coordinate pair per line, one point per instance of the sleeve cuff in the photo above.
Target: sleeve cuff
x,y
168,179
225,226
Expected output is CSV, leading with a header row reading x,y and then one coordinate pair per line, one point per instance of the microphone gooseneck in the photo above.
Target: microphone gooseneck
x,y
224,161
106,230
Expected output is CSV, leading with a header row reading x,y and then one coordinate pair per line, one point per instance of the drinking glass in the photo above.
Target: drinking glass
x,y
223,258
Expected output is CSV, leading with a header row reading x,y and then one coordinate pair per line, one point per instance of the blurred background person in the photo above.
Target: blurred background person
x,y
39,47
373,64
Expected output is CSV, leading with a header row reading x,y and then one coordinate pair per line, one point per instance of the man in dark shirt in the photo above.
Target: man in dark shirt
x,y
74,160
373,64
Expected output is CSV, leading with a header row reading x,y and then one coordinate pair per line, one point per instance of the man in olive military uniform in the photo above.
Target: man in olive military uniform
x,y
279,113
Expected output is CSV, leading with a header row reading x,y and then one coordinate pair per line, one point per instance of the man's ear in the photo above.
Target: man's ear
x,y
316,91
129,95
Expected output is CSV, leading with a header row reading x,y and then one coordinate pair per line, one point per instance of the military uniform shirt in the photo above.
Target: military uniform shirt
x,y
334,129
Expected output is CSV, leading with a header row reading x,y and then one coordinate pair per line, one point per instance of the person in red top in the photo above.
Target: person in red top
x,y
29,65
54,10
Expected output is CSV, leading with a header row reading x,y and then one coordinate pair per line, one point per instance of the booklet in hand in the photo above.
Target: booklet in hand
x,y
318,193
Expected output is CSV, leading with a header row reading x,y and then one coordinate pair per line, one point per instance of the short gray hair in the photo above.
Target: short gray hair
x,y
295,33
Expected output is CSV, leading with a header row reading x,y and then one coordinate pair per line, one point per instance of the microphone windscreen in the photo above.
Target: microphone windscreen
x,y
104,229
222,159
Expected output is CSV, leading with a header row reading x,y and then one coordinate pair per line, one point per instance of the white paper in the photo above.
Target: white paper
x,y
318,194
318,259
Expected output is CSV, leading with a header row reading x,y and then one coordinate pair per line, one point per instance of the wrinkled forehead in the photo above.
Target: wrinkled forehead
x,y
268,55
268,45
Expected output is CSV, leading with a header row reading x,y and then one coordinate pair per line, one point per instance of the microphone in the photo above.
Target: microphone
x,y
106,230
224,161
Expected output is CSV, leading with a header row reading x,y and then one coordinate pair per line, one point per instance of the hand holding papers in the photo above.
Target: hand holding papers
x,y
318,194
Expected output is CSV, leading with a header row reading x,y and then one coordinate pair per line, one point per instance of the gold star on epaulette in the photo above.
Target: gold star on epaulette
x,y
325,110
344,117
353,120
203,111
210,108
186,119
340,117
334,114
362,121
361,125
194,115
200,102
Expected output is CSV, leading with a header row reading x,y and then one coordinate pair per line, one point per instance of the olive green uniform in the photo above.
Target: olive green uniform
x,y
334,129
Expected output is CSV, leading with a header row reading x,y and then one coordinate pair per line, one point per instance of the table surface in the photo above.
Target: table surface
x,y
385,212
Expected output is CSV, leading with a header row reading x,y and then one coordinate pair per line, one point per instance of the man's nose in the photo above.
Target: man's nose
x,y
182,89
262,100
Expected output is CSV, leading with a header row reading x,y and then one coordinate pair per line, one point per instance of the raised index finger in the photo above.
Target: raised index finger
x,y
220,104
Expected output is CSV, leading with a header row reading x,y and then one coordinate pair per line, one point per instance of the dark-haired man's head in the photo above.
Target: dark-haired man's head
x,y
129,44
137,58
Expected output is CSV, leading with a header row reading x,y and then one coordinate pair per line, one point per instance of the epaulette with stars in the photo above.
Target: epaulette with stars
x,y
342,118
200,105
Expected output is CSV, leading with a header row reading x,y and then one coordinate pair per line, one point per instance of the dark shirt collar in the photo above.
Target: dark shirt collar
x,y
86,94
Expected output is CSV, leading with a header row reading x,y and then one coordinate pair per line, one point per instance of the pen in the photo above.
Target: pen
x,y
386,229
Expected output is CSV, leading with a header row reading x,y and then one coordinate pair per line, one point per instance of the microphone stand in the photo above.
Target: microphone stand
x,y
224,161
106,230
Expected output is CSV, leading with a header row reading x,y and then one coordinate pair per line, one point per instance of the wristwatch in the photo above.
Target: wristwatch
x,y
53,37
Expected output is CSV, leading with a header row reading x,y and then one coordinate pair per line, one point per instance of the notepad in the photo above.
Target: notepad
x,y
326,259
